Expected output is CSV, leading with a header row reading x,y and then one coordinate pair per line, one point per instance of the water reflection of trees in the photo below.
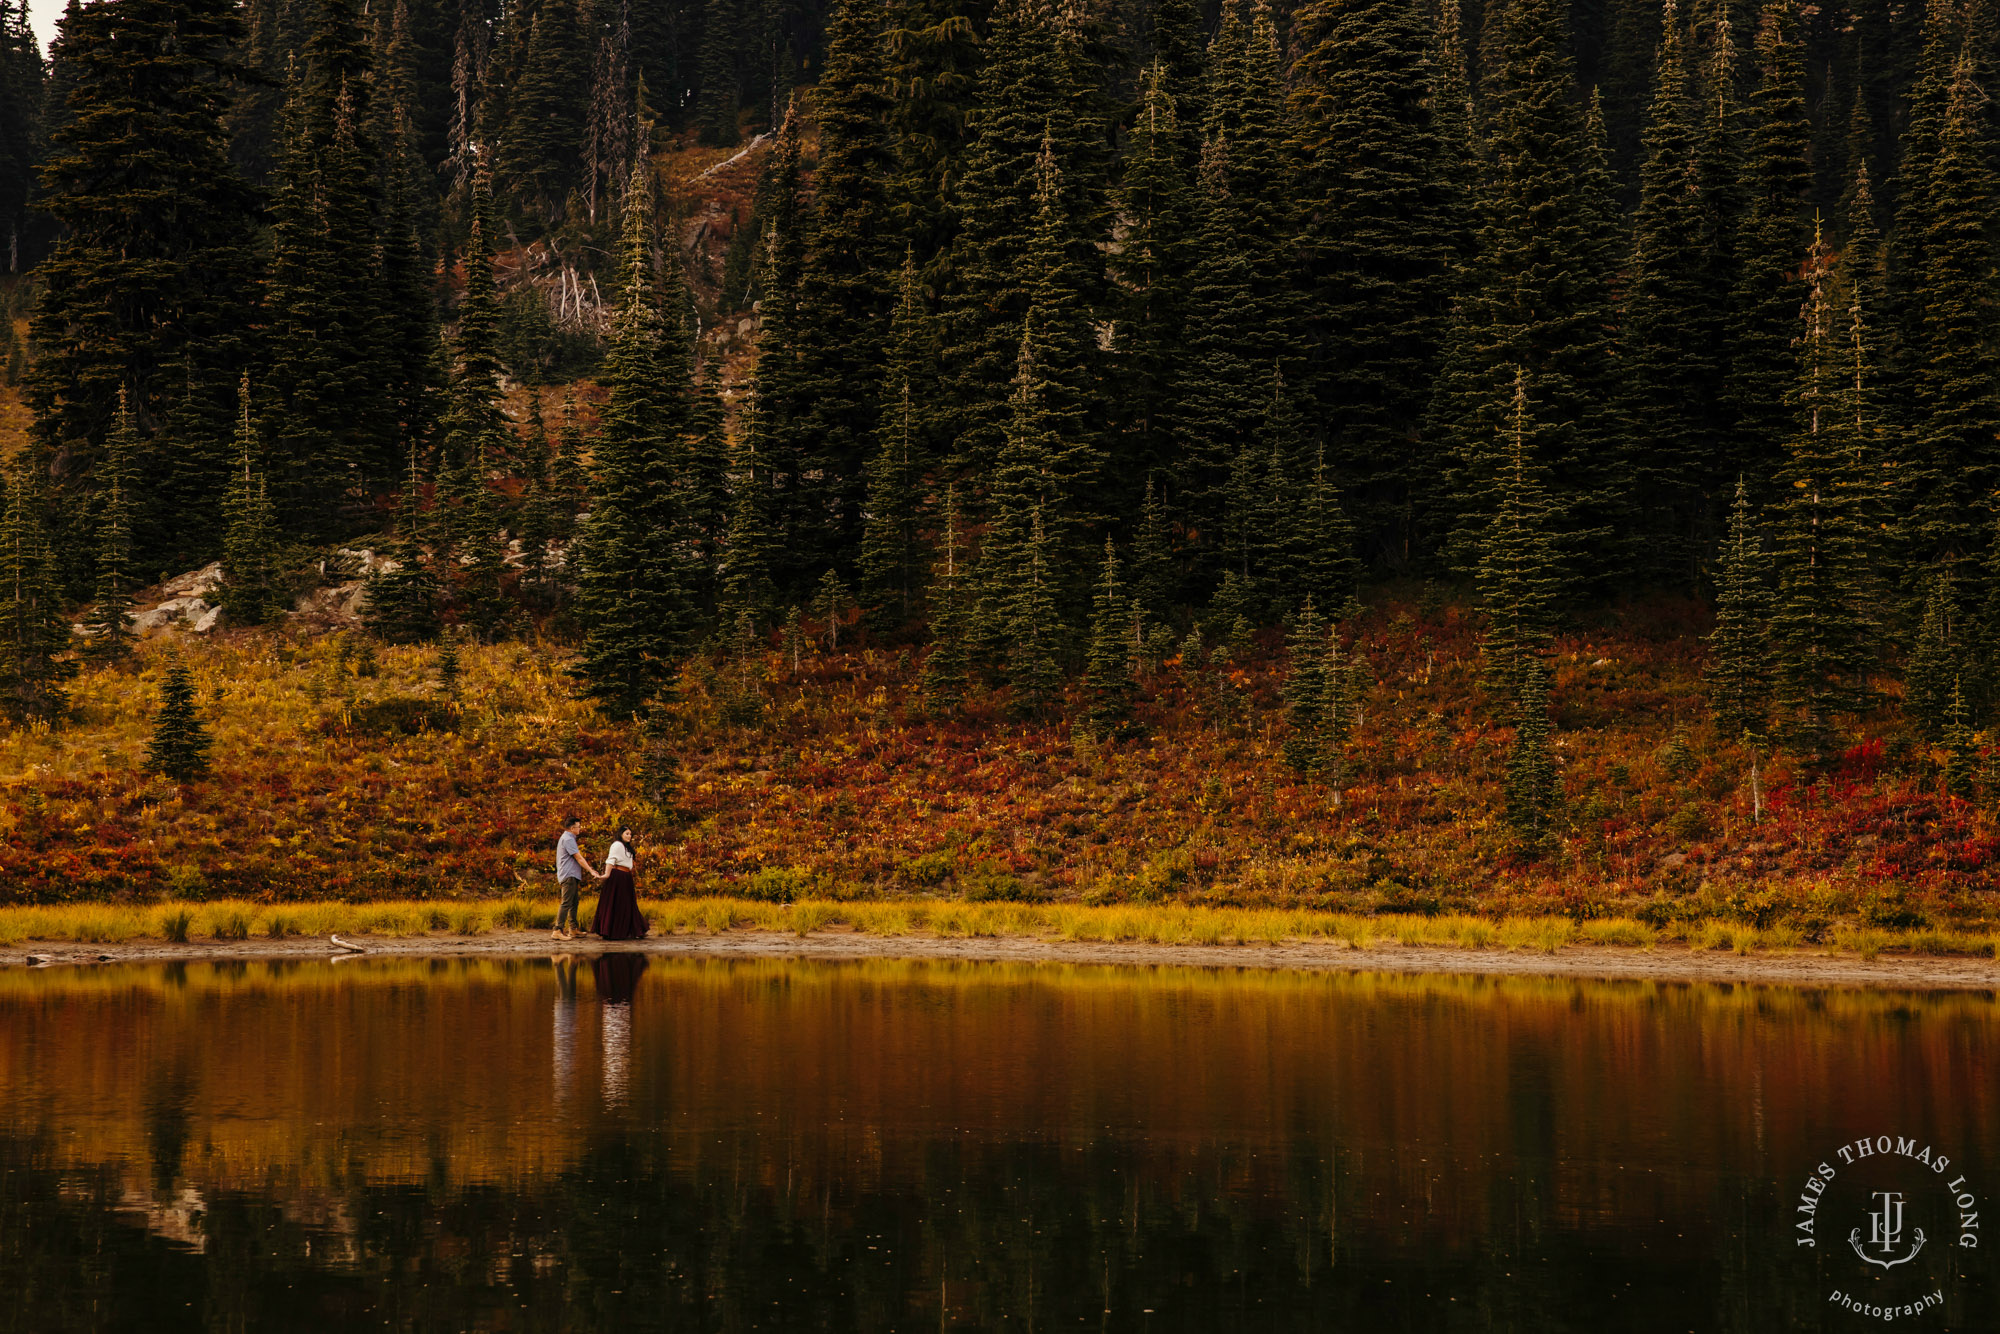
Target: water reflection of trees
x,y
1281,1152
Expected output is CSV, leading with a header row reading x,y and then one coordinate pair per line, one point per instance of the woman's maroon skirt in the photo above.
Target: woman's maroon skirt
x,y
618,915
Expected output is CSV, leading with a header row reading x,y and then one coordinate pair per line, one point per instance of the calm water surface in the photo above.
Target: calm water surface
x,y
709,1145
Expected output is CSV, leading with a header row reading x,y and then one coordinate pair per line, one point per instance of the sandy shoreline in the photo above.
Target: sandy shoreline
x,y
1665,963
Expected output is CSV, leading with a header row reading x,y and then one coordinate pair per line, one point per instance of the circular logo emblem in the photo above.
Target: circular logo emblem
x,y
1886,1215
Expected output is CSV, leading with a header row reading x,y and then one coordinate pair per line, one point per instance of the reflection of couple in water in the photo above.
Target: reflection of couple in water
x,y
617,978
618,916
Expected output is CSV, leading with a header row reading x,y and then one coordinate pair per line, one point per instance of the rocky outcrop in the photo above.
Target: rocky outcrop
x,y
182,603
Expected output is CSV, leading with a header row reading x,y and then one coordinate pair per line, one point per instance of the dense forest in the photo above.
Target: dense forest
x,y
1079,327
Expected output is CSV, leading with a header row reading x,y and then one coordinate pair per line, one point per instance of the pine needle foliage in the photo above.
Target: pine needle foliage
x,y
1110,660
1739,664
1822,628
1533,791
109,625
180,743
1520,575
252,584
946,666
1931,678
35,666
401,605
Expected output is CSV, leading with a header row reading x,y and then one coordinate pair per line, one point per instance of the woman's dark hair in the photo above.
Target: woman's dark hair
x,y
620,837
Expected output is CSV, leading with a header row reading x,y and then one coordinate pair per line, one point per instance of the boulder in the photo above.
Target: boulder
x,y
367,561
335,605
194,584
189,613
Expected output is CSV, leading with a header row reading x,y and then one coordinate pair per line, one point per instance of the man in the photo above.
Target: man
x,y
570,866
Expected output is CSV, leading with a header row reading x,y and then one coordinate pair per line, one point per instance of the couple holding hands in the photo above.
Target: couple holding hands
x,y
617,916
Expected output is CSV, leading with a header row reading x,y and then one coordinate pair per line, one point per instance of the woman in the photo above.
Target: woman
x,y
618,902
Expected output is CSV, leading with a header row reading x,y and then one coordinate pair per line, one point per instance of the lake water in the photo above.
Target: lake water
x,y
694,1144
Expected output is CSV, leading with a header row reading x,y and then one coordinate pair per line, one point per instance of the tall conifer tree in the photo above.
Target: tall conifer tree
x,y
1821,627
847,286
1952,456
1772,237
35,666
1669,353
1739,666
109,624
1378,243
632,599
1538,300
1520,573
149,284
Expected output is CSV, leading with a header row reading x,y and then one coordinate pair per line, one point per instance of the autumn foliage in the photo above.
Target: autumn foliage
x,y
340,771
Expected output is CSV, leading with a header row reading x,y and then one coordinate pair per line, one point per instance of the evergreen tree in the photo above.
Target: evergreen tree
x,y
929,57
567,483
1772,235
408,306
1219,406
148,286
1306,540
110,622
1821,627
1537,299
1310,692
1151,268
1110,661
1040,88
1931,678
401,606
546,109
1961,747
1669,335
474,421
632,597
478,551
716,108
35,666
22,80
846,287
252,591
1152,558
448,666
326,422
1181,57
747,593
1533,787
1033,514
706,474
1953,457
1378,242
1248,112
180,742
783,408
1324,562
1738,655
945,666
889,548
1928,100
1033,631
535,524
1520,573
831,600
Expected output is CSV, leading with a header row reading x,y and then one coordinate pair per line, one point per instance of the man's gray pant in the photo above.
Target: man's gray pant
x,y
571,887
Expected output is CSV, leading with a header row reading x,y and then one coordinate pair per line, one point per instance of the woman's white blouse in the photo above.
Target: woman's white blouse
x,y
620,855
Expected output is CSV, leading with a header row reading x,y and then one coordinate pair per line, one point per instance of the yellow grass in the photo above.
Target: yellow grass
x,y
945,918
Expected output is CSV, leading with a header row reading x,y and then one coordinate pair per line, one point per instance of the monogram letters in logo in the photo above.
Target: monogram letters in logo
x,y
1885,1233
